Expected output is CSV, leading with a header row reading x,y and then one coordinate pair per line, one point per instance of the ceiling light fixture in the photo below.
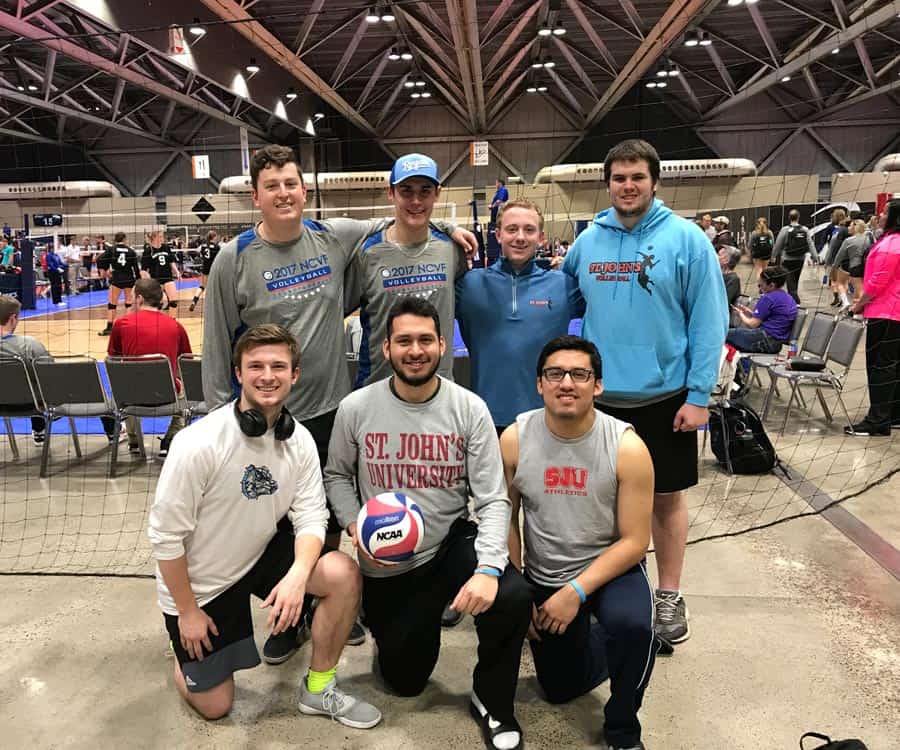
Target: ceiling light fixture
x,y
319,116
541,89
408,84
532,89
652,84
426,94
415,95
835,50
559,31
691,39
705,41
406,55
252,67
420,84
372,16
545,31
393,54
785,79
196,29
291,94
20,88
734,3
549,64
387,17
32,87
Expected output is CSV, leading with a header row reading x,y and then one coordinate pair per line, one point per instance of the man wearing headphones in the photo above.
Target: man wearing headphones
x,y
215,547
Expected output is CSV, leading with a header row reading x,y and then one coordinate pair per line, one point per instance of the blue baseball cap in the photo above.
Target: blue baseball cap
x,y
415,165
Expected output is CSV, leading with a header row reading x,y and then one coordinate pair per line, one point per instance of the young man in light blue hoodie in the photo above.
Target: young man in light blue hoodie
x,y
656,311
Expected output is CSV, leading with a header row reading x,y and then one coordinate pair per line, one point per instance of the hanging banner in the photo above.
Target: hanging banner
x,y
176,40
200,167
479,154
245,153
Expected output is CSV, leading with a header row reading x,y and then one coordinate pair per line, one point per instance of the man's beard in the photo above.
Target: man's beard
x,y
416,381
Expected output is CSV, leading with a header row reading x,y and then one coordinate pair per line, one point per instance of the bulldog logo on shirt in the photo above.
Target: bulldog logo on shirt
x,y
258,481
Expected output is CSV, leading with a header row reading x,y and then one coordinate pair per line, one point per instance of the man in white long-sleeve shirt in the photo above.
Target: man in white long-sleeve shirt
x,y
216,538
432,440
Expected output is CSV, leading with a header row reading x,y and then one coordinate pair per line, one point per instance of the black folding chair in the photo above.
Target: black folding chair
x,y
17,397
190,370
70,386
141,387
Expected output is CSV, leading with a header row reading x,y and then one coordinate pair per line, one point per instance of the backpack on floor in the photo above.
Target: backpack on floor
x,y
739,440
832,744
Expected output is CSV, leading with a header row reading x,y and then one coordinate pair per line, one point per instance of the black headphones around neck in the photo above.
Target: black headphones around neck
x,y
254,424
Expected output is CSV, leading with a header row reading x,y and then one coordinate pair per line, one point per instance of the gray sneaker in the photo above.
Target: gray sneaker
x,y
334,702
671,617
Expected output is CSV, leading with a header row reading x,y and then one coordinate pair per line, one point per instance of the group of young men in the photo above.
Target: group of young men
x,y
595,454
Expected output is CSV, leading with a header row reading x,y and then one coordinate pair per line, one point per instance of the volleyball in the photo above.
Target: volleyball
x,y
390,527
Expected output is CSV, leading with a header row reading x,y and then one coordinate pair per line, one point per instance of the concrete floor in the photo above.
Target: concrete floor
x,y
794,626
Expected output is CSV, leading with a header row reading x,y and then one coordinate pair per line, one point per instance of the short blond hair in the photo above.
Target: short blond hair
x,y
858,226
520,203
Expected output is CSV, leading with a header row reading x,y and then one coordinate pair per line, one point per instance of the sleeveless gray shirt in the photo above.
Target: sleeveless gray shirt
x,y
569,490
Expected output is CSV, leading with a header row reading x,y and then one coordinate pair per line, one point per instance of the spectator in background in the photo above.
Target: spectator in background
x,y
850,262
148,330
723,233
705,223
762,242
880,305
729,257
26,347
71,254
835,237
768,325
500,197
8,252
56,272
794,241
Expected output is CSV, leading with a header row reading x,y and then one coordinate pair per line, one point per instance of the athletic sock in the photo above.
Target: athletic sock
x,y
316,682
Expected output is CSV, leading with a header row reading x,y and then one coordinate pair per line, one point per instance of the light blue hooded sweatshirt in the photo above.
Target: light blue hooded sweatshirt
x,y
656,305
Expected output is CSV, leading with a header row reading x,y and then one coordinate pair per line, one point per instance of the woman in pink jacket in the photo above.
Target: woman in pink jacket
x,y
880,304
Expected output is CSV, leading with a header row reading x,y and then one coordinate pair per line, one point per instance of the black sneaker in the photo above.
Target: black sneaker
x,y
192,306
38,436
164,447
279,648
134,449
106,331
357,634
867,429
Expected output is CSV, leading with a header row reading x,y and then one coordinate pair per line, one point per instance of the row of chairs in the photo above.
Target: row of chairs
x,y
71,387
832,339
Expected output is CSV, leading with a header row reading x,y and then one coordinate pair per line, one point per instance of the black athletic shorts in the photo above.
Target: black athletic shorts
x,y
234,648
320,428
856,272
761,254
206,268
674,454
122,283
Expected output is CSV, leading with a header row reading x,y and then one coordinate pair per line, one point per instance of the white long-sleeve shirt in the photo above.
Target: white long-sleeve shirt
x,y
220,496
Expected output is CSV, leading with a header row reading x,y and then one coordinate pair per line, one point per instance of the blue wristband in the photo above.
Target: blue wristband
x,y
488,571
578,590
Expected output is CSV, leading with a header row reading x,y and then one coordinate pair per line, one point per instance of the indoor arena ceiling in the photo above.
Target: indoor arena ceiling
x,y
477,58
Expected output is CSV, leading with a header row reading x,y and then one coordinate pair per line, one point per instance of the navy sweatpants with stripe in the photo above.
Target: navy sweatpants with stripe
x,y
620,643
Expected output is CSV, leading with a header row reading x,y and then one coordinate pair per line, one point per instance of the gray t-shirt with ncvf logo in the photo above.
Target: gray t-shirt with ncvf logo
x,y
569,495
436,453
388,271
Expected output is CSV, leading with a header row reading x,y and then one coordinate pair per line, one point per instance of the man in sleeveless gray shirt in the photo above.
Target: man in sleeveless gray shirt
x,y
433,441
585,483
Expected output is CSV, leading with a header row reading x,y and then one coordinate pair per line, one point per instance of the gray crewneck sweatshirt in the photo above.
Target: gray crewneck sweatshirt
x,y
436,453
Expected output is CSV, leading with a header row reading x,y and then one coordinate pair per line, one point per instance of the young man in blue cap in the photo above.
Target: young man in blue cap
x,y
408,257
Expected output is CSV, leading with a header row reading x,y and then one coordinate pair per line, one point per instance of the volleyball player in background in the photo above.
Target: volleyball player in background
x,y
159,262
120,265
208,252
